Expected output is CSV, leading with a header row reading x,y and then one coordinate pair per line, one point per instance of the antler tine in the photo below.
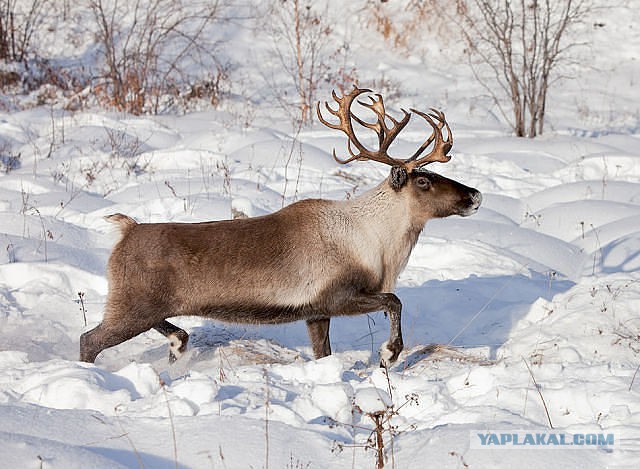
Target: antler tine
x,y
335,112
441,146
392,133
343,113
377,106
354,156
385,135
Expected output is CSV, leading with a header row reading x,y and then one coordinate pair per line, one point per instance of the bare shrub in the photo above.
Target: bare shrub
x,y
382,435
22,69
9,162
300,36
208,90
9,159
18,22
515,48
408,25
126,149
149,47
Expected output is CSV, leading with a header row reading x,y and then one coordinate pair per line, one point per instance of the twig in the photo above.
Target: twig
x,y
266,421
539,392
634,377
82,308
128,438
377,419
487,304
173,428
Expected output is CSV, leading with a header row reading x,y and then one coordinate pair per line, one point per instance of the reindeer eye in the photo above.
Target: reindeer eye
x,y
423,182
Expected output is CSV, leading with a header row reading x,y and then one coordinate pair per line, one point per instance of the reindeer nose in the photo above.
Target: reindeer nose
x,y
473,201
476,199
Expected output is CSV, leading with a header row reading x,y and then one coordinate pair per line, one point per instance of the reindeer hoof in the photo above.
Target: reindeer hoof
x,y
177,345
389,353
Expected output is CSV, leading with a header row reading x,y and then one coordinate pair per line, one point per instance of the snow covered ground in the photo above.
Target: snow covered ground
x,y
542,283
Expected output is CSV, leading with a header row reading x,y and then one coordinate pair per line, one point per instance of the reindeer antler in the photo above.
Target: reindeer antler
x,y
386,134
441,146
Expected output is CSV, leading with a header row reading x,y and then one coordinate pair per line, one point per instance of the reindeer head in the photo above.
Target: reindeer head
x,y
442,195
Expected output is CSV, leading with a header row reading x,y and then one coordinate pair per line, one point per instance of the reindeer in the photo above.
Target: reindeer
x,y
312,260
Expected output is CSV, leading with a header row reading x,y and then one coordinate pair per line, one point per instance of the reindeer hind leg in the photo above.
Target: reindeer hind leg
x,y
178,339
105,335
318,330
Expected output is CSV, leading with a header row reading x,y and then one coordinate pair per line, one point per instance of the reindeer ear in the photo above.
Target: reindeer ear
x,y
398,177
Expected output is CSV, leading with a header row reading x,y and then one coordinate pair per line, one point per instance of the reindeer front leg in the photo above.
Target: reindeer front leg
x,y
368,303
391,349
391,304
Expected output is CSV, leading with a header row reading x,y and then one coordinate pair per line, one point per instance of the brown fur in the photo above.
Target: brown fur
x,y
309,261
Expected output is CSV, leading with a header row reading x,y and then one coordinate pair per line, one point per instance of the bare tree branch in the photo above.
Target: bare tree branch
x,y
520,43
146,46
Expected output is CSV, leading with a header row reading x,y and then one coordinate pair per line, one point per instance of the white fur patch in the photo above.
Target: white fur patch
x,y
174,345
385,355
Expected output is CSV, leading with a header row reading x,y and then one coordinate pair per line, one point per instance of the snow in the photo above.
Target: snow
x,y
545,276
